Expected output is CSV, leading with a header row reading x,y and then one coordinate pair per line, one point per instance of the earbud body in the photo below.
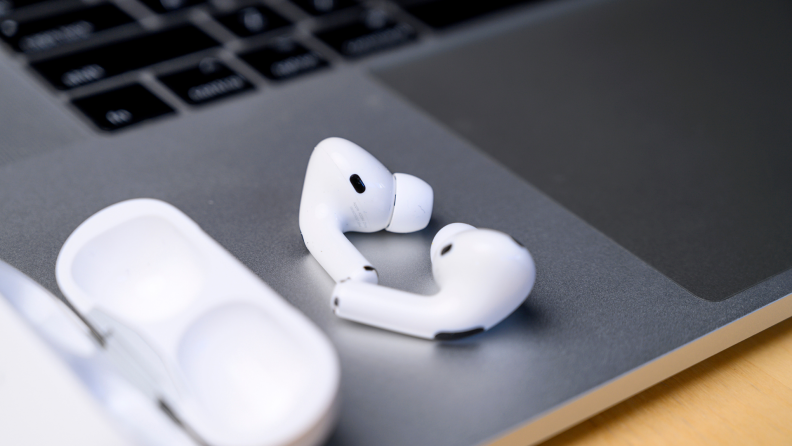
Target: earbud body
x,y
483,275
346,189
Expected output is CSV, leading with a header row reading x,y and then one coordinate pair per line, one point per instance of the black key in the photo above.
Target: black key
x,y
209,81
444,13
374,32
21,3
321,7
122,107
7,5
163,6
252,20
43,34
284,59
89,66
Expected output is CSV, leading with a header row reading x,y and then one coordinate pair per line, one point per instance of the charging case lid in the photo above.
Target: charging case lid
x,y
132,414
235,362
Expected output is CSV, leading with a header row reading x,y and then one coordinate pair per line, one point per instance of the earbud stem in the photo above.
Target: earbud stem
x,y
388,308
337,255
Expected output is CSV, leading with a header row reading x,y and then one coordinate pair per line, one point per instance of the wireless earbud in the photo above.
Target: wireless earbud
x,y
483,275
347,189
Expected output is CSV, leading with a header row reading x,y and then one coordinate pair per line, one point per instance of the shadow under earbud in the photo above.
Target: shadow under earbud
x,y
528,319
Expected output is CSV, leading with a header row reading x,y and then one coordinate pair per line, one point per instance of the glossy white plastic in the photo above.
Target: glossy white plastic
x,y
348,190
236,363
134,413
483,275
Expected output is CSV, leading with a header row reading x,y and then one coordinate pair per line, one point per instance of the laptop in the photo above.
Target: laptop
x,y
638,149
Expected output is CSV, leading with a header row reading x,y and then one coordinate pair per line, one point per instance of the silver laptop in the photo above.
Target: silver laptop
x,y
639,149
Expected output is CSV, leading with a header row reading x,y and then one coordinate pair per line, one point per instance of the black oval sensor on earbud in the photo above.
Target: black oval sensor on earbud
x,y
357,183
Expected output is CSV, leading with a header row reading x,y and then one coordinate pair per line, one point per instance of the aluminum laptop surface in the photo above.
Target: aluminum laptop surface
x,y
602,323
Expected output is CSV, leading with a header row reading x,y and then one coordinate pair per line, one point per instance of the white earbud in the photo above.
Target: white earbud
x,y
347,189
483,275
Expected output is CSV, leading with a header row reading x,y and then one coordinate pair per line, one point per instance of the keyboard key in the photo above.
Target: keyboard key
x,y
444,13
284,59
163,6
252,20
7,5
209,81
51,32
321,7
92,65
122,107
374,32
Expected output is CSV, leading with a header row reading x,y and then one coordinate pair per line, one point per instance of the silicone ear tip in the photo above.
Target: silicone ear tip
x,y
413,207
445,234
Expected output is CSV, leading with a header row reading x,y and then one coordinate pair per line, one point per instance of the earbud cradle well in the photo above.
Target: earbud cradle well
x,y
241,366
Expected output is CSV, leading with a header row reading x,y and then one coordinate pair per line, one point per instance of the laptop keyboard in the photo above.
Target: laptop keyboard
x,y
89,66
106,56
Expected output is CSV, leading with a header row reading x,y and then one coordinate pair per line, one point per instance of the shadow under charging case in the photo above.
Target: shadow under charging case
x,y
196,329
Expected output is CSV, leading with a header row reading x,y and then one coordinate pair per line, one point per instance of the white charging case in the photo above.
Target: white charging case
x,y
195,329
46,393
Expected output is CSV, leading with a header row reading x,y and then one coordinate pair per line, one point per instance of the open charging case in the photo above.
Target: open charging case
x,y
178,339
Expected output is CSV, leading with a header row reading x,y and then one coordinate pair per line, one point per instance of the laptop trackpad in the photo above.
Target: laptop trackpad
x,y
665,125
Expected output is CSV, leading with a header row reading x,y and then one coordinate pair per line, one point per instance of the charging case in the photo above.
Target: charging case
x,y
196,332
132,413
